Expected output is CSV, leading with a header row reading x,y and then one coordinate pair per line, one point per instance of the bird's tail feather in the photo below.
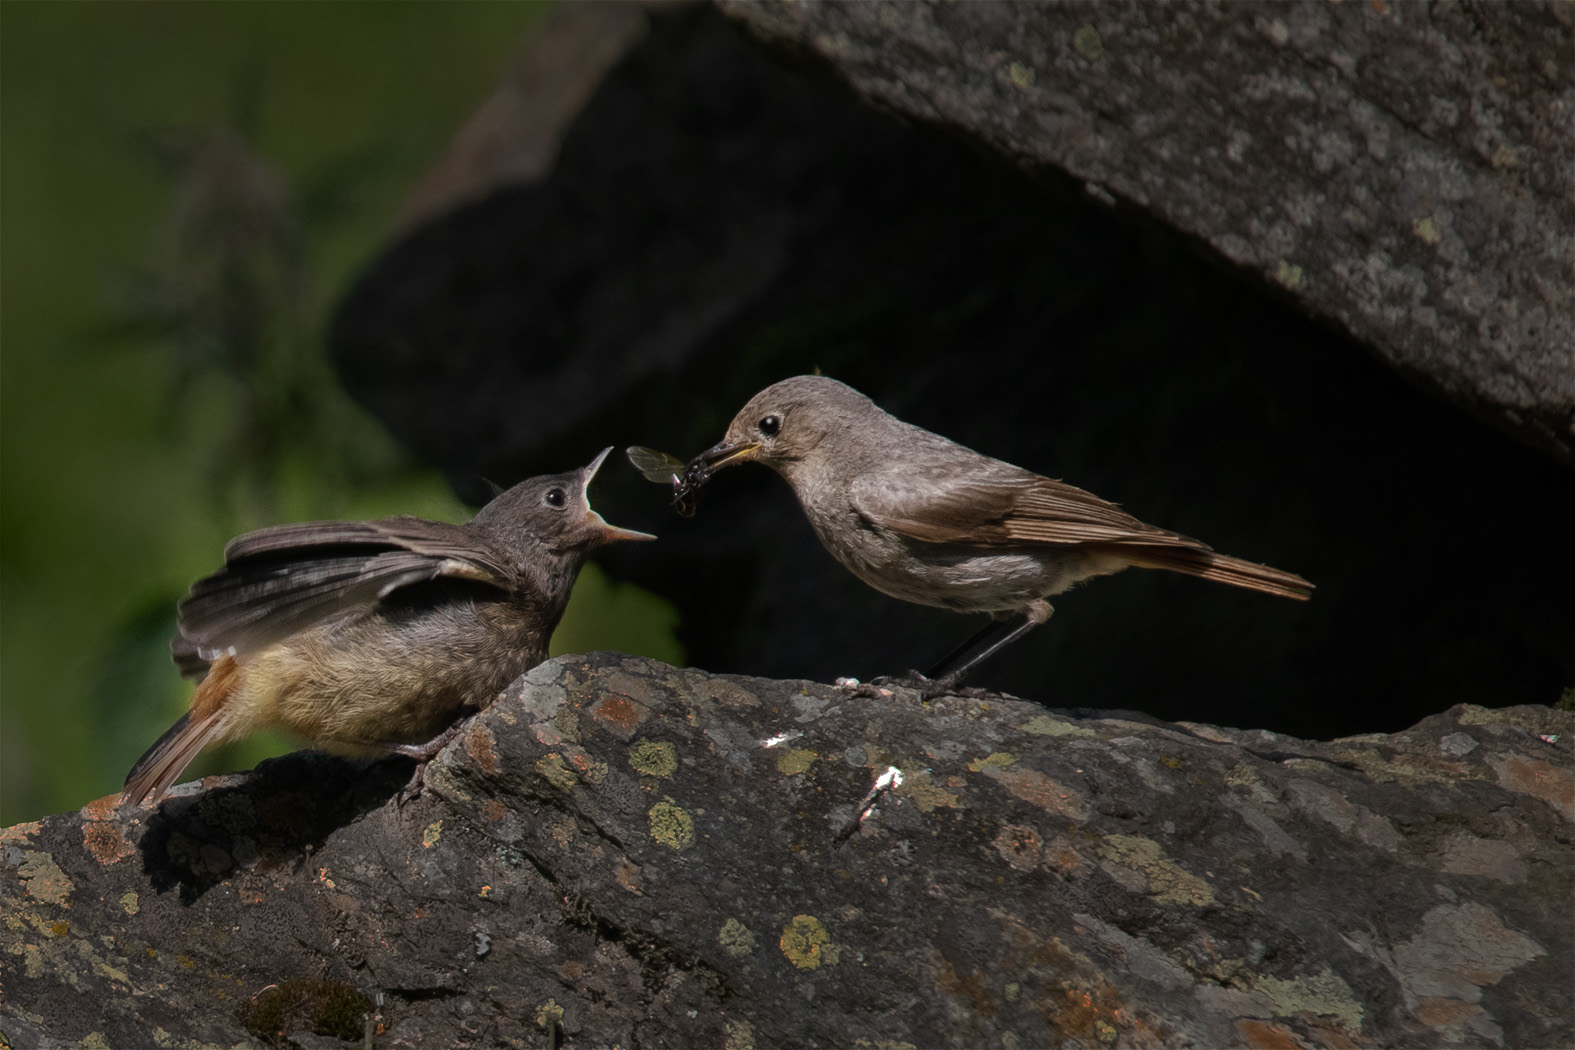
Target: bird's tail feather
x,y
164,762
1220,568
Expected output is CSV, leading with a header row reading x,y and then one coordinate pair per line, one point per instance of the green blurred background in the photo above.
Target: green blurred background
x,y
185,191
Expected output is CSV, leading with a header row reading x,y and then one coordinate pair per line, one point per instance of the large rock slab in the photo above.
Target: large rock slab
x,y
1406,170
623,852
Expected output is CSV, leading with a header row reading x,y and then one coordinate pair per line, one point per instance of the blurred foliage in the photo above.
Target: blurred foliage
x,y
185,191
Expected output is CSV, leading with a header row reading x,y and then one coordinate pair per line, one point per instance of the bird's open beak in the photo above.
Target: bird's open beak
x,y
589,470
604,533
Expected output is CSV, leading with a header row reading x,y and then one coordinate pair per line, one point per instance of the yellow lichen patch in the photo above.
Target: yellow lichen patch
x,y
738,1036
19,833
1044,725
1088,43
56,952
924,792
590,770
549,1014
736,938
566,720
129,902
1022,76
1426,230
671,826
1289,275
1241,775
995,760
554,772
563,830
430,836
1166,881
43,879
1035,788
794,761
807,944
1324,993
654,758
32,960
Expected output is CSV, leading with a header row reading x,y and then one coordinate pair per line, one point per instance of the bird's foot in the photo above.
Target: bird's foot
x,y
869,690
412,789
928,688
424,753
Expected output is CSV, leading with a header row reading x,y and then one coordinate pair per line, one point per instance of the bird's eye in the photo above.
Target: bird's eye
x,y
770,425
555,497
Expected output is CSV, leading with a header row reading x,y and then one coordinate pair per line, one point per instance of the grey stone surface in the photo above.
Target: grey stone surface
x,y
1404,169
620,852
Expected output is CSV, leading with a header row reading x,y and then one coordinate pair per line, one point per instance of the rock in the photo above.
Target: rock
x,y
716,219
623,852
1406,170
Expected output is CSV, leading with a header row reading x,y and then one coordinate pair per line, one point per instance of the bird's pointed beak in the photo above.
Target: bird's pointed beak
x,y
588,471
606,533
726,454
602,532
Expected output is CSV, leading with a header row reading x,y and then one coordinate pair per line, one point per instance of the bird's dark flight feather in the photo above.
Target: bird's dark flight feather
x,y
280,580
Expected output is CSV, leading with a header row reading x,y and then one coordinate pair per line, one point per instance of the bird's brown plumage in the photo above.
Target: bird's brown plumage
x,y
371,635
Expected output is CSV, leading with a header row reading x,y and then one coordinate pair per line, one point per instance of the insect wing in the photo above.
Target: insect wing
x,y
656,466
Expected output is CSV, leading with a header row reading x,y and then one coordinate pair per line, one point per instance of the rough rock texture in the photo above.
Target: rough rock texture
x,y
624,853
716,220
1406,169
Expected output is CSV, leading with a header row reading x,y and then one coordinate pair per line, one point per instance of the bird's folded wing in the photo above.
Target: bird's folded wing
x,y
280,580
1008,508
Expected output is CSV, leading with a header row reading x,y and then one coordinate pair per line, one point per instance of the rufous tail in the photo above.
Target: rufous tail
x,y
1221,568
163,763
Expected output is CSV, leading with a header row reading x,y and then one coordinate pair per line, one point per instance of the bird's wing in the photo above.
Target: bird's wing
x,y
999,508
1009,507
280,580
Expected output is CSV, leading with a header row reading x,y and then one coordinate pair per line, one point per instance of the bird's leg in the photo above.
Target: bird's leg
x,y
996,635
424,753
948,673
951,659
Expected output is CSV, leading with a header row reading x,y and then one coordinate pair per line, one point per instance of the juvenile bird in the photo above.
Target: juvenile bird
x,y
371,637
927,520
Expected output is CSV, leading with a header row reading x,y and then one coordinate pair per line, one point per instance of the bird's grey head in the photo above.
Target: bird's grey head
x,y
551,513
783,424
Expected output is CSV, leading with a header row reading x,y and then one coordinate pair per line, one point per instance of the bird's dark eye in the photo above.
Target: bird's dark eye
x,y
555,497
770,426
